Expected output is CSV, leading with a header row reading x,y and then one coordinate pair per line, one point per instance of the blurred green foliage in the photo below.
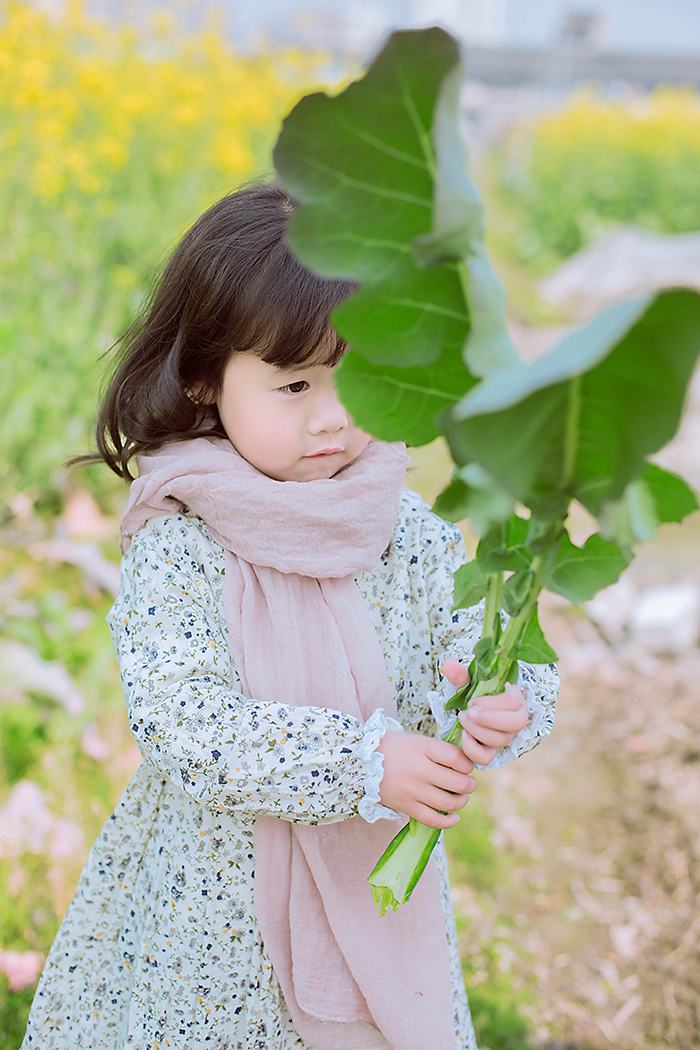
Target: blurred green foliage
x,y
473,857
23,735
14,1011
47,606
575,173
496,991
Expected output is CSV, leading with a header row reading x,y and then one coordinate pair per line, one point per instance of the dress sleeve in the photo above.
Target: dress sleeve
x,y
186,711
455,633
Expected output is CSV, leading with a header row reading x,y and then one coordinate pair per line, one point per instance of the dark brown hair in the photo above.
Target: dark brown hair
x,y
231,285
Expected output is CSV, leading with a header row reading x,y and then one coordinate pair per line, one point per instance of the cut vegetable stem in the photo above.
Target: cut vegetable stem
x,y
404,860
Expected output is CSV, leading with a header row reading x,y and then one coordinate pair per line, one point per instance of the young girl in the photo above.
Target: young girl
x,y
285,610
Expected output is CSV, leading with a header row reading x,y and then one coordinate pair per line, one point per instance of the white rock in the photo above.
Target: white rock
x,y
624,263
611,608
667,618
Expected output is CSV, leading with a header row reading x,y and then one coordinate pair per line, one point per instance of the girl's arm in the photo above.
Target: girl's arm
x,y
186,711
455,633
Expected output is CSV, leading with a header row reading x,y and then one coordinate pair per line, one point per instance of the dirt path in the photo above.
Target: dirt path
x,y
601,827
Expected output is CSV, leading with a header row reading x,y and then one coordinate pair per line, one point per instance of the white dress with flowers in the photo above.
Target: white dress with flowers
x,y
161,946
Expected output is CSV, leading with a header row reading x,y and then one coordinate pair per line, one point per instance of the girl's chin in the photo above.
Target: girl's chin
x,y
325,469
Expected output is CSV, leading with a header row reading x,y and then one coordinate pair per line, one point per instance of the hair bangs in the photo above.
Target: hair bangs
x,y
289,310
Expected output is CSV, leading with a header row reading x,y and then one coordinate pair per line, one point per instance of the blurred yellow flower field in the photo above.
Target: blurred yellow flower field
x,y
597,162
111,143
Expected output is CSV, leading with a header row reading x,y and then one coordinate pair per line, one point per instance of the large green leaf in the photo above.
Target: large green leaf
x,y
580,421
578,573
408,319
458,232
380,173
673,499
533,646
504,546
578,352
471,583
362,164
400,404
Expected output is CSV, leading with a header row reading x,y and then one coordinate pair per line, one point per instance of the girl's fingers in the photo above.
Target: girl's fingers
x,y
477,751
429,816
441,802
455,673
448,755
502,721
511,700
490,737
448,780
445,801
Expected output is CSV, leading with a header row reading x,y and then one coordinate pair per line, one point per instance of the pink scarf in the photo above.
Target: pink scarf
x,y
351,980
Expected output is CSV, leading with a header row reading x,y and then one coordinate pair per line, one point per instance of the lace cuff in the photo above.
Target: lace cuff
x,y
524,741
370,808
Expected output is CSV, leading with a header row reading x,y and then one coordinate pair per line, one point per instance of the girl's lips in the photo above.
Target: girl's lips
x,y
324,452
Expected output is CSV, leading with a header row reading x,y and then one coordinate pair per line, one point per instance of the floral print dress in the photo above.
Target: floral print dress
x,y
161,946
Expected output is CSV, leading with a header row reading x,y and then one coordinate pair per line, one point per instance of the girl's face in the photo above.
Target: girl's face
x,y
288,423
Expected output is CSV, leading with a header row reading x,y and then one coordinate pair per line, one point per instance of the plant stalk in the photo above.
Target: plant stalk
x,y
404,860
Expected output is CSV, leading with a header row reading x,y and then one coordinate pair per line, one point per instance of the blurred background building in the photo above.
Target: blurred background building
x,y
635,27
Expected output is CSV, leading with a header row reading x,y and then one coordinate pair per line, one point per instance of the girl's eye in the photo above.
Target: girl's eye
x,y
295,388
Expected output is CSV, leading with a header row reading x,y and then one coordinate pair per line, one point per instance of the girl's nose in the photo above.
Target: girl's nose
x,y
329,415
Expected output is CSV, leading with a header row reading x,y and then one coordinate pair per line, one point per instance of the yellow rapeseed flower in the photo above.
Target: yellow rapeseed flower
x,y
84,103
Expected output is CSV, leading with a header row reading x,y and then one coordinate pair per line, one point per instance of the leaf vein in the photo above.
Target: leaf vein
x,y
370,187
382,147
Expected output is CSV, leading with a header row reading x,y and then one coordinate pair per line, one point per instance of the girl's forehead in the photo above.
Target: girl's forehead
x,y
246,365
325,352
317,361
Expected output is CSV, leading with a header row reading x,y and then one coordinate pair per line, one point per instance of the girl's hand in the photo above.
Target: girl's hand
x,y
489,722
425,778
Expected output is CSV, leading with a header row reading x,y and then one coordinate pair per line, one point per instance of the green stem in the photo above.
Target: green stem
x,y
491,625
404,860
402,863
517,624
509,640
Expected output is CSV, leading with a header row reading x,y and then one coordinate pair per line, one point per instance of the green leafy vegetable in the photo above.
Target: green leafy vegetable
x,y
380,174
577,573
504,546
673,499
471,583
533,645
